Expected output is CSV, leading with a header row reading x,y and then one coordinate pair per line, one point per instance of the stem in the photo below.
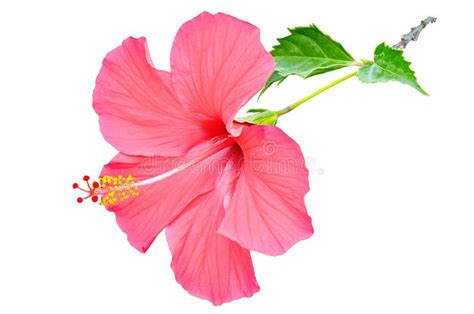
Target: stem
x,y
414,33
310,96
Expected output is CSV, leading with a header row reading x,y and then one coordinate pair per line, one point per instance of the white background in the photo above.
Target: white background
x,y
392,171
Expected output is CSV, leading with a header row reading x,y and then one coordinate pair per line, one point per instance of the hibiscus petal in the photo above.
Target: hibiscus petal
x,y
218,63
139,114
207,264
267,213
144,216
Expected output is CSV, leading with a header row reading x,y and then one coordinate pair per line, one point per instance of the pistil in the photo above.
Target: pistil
x,y
115,189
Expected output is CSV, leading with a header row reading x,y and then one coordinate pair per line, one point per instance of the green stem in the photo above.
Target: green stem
x,y
310,96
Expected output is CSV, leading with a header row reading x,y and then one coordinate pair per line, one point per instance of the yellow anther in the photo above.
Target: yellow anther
x,y
117,189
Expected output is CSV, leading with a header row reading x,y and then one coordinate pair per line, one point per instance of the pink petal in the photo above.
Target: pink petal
x,y
218,63
267,213
139,114
207,264
144,216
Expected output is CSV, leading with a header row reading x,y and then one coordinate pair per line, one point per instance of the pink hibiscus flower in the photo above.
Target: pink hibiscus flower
x,y
220,188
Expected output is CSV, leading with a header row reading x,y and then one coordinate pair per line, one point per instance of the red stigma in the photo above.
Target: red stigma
x,y
91,191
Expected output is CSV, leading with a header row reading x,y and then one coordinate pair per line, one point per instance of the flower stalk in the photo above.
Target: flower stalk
x,y
314,94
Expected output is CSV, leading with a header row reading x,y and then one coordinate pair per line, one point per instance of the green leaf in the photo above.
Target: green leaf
x,y
389,65
274,78
307,52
